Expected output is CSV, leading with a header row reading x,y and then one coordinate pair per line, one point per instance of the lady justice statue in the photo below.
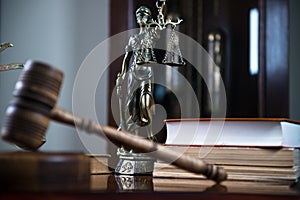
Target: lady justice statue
x,y
139,99
136,96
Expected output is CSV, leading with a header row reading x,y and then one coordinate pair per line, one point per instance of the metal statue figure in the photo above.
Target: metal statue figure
x,y
135,104
135,85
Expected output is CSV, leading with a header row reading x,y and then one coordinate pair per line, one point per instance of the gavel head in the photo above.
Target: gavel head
x,y
35,95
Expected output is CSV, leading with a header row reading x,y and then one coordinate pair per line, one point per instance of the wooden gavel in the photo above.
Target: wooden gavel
x,y
33,106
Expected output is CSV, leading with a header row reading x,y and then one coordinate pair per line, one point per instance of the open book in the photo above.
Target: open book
x,y
249,132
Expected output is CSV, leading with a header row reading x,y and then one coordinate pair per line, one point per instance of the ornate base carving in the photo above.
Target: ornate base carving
x,y
134,163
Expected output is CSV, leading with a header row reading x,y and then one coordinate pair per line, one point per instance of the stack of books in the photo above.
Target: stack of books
x,y
250,150
249,164
99,164
99,171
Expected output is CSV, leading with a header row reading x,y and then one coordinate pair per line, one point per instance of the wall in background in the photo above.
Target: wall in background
x,y
294,59
61,33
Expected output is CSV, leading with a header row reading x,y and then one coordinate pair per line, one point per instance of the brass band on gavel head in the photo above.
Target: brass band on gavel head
x,y
35,94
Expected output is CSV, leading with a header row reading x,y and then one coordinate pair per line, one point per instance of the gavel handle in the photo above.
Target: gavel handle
x,y
142,145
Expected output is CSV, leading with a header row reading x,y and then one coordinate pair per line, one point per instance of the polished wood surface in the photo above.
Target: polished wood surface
x,y
144,196
110,187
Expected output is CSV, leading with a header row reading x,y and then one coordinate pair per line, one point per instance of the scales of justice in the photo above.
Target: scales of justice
x,y
135,83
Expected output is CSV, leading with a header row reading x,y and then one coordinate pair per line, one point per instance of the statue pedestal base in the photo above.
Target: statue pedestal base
x,y
134,163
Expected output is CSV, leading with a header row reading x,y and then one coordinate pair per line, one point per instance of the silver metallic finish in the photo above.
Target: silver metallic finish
x,y
11,66
134,84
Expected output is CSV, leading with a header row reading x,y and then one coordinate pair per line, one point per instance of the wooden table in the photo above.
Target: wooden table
x,y
146,187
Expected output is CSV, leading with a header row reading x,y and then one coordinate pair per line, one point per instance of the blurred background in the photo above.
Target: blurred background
x,y
63,33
